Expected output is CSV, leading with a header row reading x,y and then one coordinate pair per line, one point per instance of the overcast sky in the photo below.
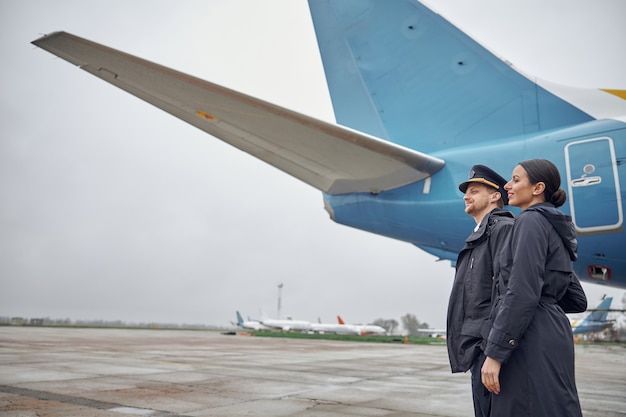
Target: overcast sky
x,y
112,209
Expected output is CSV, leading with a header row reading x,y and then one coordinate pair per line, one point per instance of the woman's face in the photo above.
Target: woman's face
x,y
521,192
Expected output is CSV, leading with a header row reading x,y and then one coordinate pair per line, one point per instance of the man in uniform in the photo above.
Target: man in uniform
x,y
477,265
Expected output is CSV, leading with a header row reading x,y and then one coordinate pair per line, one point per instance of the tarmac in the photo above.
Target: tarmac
x,y
66,372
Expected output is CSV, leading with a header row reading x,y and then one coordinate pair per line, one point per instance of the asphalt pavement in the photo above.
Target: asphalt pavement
x,y
68,372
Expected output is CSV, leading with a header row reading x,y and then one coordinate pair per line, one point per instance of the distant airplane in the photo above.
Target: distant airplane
x,y
417,102
250,324
336,328
362,329
435,333
596,321
285,324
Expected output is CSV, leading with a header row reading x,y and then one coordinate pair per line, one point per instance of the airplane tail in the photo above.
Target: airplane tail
x,y
600,313
239,319
401,72
340,320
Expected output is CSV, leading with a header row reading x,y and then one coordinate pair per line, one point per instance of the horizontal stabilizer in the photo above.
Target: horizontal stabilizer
x,y
331,158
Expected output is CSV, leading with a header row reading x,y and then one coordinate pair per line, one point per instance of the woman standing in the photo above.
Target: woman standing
x,y
530,349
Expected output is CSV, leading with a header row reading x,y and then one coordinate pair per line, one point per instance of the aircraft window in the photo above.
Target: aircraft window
x,y
599,272
589,169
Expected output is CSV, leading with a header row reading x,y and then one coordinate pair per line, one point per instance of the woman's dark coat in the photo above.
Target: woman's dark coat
x,y
530,335
470,299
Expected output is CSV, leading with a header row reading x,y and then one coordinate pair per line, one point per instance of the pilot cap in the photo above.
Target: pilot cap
x,y
487,176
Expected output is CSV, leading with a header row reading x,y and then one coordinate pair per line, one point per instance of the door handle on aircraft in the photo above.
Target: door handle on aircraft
x,y
586,181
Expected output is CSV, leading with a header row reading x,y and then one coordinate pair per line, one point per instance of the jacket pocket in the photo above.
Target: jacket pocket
x,y
476,328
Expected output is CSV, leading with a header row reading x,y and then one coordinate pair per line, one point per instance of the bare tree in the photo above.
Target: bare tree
x,y
389,325
411,324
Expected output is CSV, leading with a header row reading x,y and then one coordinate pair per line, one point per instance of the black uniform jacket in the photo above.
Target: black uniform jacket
x,y
544,246
470,300
530,334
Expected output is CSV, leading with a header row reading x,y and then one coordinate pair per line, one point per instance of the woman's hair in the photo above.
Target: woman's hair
x,y
542,170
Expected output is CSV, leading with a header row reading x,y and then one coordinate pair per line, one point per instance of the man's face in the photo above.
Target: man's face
x,y
478,200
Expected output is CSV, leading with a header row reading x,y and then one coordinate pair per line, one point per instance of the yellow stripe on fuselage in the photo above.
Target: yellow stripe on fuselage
x,y
618,93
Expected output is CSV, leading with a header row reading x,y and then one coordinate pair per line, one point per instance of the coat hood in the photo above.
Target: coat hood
x,y
563,225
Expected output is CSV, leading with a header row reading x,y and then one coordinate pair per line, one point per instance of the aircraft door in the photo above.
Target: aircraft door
x,y
593,185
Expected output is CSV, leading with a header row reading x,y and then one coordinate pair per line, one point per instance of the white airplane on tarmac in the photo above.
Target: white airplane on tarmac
x,y
363,329
250,324
285,324
333,328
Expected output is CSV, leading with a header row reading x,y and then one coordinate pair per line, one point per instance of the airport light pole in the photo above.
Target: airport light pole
x,y
280,289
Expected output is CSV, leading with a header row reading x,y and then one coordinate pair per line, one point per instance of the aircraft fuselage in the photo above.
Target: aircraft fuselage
x,y
429,213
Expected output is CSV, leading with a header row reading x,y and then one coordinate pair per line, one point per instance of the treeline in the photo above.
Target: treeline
x,y
48,322
410,324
